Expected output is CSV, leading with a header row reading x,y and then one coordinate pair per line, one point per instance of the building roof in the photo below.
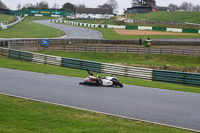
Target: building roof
x,y
4,9
136,7
161,8
93,11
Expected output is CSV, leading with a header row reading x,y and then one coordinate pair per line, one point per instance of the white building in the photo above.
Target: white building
x,y
93,13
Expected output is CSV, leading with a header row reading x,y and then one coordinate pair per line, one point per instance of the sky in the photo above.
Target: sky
x,y
123,4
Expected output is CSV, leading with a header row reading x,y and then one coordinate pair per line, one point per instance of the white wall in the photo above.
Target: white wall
x,y
97,16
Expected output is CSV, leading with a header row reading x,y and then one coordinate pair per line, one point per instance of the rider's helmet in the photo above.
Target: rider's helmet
x,y
91,73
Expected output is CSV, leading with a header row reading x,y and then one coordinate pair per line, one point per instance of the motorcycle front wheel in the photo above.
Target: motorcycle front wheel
x,y
119,85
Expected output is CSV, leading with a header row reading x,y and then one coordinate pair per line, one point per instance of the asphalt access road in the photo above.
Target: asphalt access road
x,y
163,106
72,31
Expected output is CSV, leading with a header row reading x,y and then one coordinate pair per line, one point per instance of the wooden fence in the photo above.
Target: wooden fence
x,y
99,46
127,71
36,42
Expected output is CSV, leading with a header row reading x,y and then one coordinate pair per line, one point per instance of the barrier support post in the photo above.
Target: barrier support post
x,y
172,51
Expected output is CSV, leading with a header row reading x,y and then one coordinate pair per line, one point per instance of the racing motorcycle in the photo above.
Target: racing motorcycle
x,y
108,81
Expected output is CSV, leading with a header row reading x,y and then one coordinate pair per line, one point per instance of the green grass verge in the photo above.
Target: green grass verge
x,y
131,59
111,34
182,16
27,66
26,116
29,29
8,18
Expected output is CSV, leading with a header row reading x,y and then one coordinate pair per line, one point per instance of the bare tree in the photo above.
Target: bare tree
x,y
190,7
143,3
184,6
173,7
19,7
28,6
135,3
81,6
113,6
103,6
54,6
2,5
196,8
42,5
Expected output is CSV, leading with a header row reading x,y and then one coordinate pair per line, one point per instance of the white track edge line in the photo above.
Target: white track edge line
x,y
120,116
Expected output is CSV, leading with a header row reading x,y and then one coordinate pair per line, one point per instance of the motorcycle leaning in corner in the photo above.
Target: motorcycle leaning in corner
x,y
108,81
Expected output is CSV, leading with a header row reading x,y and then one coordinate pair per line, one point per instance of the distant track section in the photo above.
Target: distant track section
x,y
72,31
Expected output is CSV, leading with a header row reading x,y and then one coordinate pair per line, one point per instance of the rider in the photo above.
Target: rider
x,y
92,77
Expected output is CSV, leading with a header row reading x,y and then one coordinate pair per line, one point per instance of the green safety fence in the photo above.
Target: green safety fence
x,y
9,27
191,79
25,56
132,27
184,78
190,31
159,28
81,64
20,55
14,54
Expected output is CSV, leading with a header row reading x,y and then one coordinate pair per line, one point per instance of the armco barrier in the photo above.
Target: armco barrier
x,y
46,59
135,72
4,52
81,64
20,55
177,77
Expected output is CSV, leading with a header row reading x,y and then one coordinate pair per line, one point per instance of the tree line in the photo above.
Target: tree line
x,y
2,5
185,6
111,5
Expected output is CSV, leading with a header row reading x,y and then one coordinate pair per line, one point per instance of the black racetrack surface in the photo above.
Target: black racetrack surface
x,y
162,106
72,31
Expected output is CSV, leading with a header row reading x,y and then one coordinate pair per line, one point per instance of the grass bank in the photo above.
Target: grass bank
x,y
24,116
179,16
27,66
4,17
29,29
178,63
